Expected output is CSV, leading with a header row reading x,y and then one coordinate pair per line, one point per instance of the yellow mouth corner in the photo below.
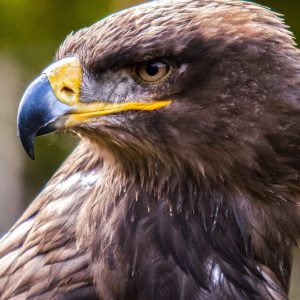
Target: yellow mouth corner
x,y
65,77
86,111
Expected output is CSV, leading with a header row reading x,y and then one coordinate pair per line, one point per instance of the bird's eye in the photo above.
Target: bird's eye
x,y
152,71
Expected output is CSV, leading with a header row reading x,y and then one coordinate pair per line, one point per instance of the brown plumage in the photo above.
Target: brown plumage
x,y
196,200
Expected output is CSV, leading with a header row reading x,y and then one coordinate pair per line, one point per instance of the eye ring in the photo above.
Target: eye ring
x,y
152,71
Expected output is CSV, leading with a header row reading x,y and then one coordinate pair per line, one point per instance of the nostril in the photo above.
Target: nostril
x,y
66,90
67,93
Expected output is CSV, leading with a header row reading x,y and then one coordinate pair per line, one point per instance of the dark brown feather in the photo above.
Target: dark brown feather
x,y
199,200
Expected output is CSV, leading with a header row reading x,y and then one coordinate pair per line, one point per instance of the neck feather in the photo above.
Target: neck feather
x,y
210,230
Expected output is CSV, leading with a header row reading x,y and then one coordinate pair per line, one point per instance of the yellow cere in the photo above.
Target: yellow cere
x,y
65,77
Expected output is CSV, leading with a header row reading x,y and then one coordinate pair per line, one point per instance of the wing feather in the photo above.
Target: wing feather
x,y
39,257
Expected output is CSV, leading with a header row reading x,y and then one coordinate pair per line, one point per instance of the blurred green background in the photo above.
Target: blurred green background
x,y
30,32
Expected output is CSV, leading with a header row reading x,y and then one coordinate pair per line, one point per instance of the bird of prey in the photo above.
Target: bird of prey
x,y
185,183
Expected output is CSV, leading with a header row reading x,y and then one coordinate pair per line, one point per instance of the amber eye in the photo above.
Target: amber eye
x,y
152,71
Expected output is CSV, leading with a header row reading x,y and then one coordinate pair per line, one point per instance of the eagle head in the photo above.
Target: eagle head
x,y
195,83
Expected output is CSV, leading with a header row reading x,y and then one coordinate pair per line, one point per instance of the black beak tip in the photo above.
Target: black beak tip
x,y
27,143
30,151
31,154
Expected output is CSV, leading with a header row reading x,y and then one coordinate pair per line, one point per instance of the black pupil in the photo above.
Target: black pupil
x,y
153,69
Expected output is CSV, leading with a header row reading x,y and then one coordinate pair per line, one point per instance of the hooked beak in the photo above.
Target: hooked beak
x,y
52,102
39,112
